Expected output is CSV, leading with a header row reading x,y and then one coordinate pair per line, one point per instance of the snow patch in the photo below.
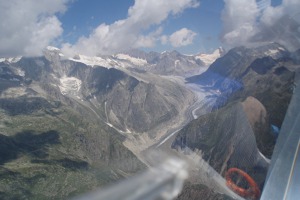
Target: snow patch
x,y
70,86
93,61
135,61
14,79
208,59
15,59
20,72
272,52
275,52
50,48
11,60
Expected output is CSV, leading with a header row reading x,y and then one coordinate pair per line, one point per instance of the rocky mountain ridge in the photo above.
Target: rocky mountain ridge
x,y
255,87
61,116
256,69
91,116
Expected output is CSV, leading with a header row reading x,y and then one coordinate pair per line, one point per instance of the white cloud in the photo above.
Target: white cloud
x,y
128,33
148,40
182,37
246,22
28,26
164,39
288,7
239,18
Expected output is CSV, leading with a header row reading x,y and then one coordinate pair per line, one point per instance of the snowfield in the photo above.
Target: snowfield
x,y
94,61
135,61
274,52
208,59
70,86
11,60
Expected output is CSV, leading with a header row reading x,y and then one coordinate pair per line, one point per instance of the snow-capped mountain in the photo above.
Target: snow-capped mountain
x,y
92,110
66,117
133,60
208,59
246,71
166,63
108,83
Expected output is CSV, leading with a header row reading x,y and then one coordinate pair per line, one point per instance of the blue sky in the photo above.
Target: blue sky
x,y
94,27
83,16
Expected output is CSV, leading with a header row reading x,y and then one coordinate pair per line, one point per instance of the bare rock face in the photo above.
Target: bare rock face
x,y
273,89
130,104
169,63
62,120
259,121
225,138
48,150
265,72
255,87
120,99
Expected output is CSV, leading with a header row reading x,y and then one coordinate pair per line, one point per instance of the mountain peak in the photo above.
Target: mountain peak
x,y
208,59
51,48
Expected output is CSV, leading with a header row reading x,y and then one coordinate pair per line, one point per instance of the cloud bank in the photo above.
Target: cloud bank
x,y
182,37
129,32
250,22
28,26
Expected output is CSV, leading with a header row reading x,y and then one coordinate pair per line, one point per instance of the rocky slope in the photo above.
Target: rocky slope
x,y
50,150
131,102
225,139
265,72
63,122
169,63
255,87
66,123
259,120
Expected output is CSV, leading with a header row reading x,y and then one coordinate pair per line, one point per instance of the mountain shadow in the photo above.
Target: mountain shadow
x,y
66,163
27,142
24,105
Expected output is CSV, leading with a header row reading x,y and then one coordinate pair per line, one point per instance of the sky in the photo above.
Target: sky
x,y
204,20
94,27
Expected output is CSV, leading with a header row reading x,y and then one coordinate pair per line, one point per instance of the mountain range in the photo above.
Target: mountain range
x,y
69,125
255,87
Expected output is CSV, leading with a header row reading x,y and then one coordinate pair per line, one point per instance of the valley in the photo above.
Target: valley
x,y
107,118
149,100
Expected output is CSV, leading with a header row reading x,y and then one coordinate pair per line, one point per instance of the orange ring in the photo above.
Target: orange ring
x,y
252,192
